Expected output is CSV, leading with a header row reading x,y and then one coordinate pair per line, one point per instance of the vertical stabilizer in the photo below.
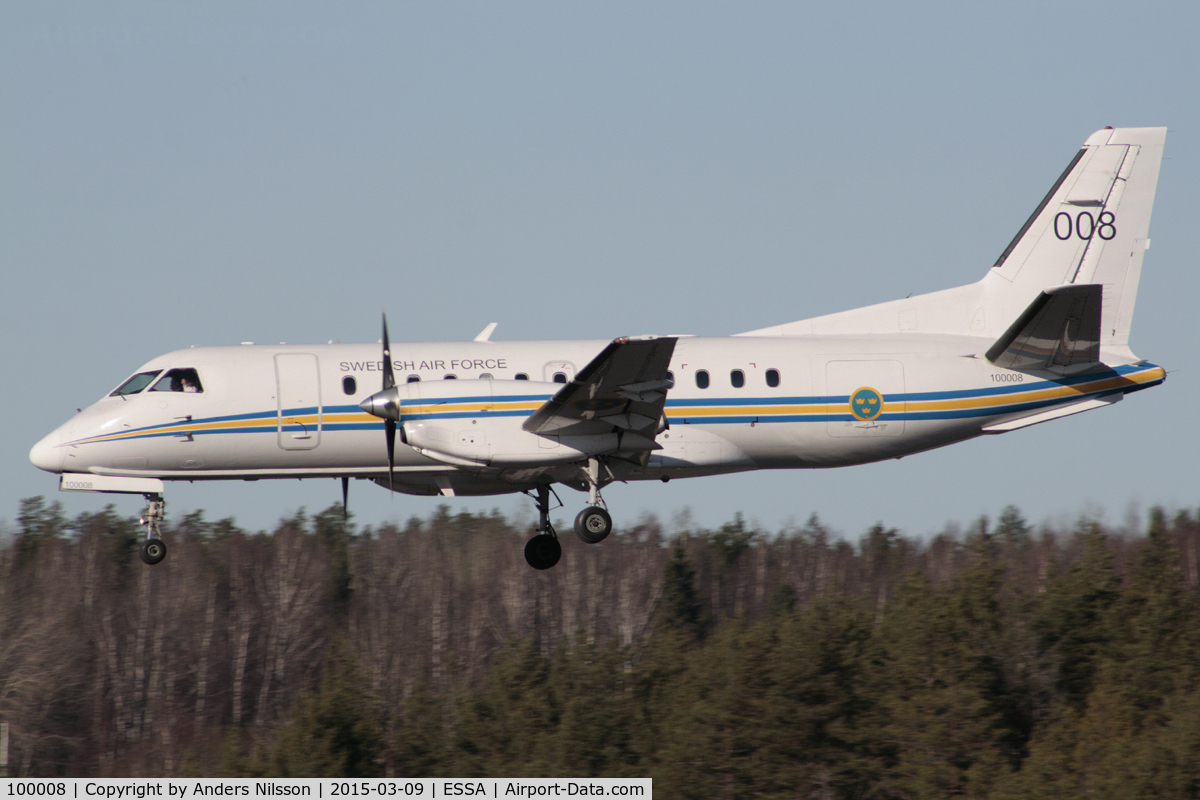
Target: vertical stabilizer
x,y
1091,228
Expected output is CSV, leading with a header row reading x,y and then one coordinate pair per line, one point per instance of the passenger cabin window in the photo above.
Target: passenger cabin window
x,y
670,379
349,385
413,378
772,378
450,377
702,378
737,378
485,376
178,380
521,376
135,384
560,377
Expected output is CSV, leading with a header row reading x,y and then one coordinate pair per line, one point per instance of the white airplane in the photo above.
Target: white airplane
x,y
1043,335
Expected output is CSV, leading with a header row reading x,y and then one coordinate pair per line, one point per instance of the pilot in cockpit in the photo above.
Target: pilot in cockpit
x,y
178,380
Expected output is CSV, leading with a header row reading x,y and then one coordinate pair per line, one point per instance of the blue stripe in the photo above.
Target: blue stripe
x,y
749,401
517,398
680,406
464,415
956,394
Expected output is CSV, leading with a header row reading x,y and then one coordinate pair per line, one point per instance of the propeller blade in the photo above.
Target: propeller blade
x,y
345,499
389,379
389,382
390,428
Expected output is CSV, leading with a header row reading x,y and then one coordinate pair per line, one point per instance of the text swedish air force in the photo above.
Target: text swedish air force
x,y
414,366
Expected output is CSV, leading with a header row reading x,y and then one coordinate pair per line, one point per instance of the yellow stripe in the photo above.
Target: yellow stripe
x,y
998,401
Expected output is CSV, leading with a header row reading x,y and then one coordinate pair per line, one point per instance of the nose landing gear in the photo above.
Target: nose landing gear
x,y
153,549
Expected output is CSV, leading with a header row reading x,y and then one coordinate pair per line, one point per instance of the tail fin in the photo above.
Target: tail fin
x,y
1091,228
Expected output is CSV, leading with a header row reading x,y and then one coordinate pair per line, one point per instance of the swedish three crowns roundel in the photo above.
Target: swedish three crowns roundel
x,y
866,404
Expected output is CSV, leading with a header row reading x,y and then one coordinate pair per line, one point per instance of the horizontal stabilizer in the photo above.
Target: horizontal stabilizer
x,y
1053,413
1059,329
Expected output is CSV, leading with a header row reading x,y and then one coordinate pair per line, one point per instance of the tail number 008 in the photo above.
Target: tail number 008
x,y
1084,225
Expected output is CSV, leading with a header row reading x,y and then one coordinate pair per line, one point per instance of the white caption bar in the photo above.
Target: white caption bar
x,y
321,788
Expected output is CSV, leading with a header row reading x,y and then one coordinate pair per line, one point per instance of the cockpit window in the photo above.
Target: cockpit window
x,y
178,380
136,383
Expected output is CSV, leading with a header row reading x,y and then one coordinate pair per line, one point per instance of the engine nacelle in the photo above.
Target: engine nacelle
x,y
478,423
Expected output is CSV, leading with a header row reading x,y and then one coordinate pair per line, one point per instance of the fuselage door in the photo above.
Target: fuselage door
x,y
298,388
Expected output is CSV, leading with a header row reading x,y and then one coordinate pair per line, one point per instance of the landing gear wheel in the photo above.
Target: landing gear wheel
x,y
543,551
153,551
593,524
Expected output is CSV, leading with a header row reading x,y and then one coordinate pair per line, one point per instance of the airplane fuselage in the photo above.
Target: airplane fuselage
x,y
288,411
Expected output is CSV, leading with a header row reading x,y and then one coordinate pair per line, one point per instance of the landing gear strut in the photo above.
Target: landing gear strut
x,y
153,549
594,522
543,551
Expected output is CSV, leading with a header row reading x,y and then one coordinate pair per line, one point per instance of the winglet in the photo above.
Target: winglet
x,y
485,335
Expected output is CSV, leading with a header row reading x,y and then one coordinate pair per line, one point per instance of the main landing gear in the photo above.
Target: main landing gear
x,y
591,525
543,551
153,549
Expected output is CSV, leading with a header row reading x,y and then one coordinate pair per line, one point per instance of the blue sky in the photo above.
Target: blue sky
x,y
175,174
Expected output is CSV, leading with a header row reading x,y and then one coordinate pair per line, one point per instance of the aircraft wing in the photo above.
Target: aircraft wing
x,y
622,390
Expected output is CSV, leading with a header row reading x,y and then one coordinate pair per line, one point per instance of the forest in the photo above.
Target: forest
x,y
996,660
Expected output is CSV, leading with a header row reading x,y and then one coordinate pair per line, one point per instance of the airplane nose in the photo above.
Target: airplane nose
x,y
48,454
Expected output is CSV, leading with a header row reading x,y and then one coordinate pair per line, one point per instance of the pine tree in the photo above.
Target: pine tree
x,y
39,523
507,725
1127,669
1071,621
336,731
594,736
1156,640
941,724
825,702
714,738
419,746
333,529
679,604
